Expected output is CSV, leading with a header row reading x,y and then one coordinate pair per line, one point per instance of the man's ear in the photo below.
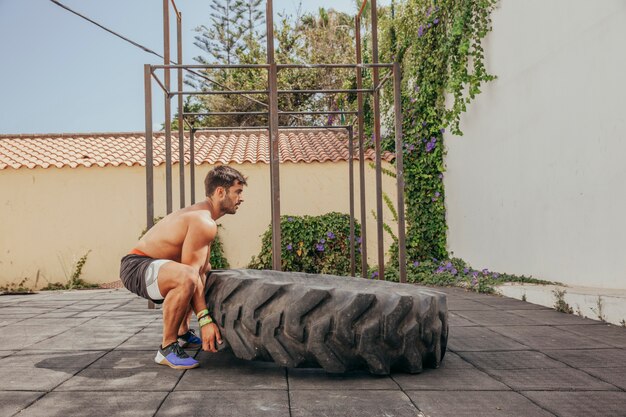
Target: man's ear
x,y
220,191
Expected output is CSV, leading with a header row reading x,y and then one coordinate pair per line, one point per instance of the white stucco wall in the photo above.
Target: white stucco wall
x,y
51,217
537,185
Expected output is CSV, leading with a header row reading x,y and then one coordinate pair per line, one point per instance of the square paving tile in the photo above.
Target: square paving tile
x,y
590,358
72,360
605,333
615,376
301,379
460,305
480,339
547,337
555,379
229,403
454,319
11,402
443,379
32,378
223,371
337,403
523,359
453,361
124,359
496,318
473,404
96,404
553,317
146,339
85,338
506,303
581,404
153,378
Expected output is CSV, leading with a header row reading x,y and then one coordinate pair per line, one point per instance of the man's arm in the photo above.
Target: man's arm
x,y
195,252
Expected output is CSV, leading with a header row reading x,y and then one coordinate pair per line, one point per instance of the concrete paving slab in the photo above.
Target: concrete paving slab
x,y
462,305
444,379
453,361
496,318
96,404
609,334
548,337
554,379
5,353
145,339
454,319
506,303
553,317
337,403
19,310
70,360
153,378
5,321
118,359
223,371
50,322
11,402
524,359
21,342
59,314
615,376
316,379
473,403
85,338
590,358
480,339
581,404
247,403
32,378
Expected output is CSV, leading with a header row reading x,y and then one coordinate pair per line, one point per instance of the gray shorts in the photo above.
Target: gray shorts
x,y
139,275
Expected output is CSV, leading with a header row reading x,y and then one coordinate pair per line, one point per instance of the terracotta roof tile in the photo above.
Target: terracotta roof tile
x,y
115,149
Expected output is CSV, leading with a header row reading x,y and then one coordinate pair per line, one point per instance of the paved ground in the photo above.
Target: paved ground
x,y
90,353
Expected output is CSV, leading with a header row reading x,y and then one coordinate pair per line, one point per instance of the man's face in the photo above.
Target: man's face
x,y
232,198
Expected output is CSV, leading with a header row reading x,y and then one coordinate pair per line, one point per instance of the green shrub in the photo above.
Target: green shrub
x,y
313,244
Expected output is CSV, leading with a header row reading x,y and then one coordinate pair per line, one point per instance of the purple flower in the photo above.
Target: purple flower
x,y
495,275
439,270
436,21
453,271
322,240
433,199
374,274
416,264
442,131
417,88
358,239
440,176
330,235
437,195
430,25
319,247
430,146
485,271
475,274
289,219
289,247
449,264
474,282
465,270
420,31
413,99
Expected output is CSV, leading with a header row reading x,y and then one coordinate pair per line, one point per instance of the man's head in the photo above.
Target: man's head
x,y
224,185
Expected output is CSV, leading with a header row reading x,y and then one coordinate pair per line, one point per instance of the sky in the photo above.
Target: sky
x,y
62,74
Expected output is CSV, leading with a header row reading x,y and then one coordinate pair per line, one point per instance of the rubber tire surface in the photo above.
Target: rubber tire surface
x,y
337,323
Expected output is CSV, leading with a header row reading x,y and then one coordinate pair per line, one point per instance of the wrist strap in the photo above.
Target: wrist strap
x,y
202,313
205,320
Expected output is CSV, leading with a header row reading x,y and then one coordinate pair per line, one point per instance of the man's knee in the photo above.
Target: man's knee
x,y
189,278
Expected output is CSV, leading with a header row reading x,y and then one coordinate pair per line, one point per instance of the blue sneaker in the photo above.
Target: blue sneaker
x,y
175,357
189,340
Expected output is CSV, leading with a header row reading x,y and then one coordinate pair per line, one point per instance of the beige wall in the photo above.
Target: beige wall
x,y
51,217
536,184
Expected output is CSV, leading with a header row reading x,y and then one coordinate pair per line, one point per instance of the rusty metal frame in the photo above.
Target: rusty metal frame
x,y
273,128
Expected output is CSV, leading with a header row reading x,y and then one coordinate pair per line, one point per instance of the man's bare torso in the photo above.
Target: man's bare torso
x,y
165,240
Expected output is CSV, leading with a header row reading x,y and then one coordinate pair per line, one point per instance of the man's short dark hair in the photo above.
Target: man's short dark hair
x,y
222,176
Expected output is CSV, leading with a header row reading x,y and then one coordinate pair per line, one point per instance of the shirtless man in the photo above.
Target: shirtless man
x,y
169,264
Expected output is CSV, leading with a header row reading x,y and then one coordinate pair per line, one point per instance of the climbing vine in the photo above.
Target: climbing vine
x,y
438,43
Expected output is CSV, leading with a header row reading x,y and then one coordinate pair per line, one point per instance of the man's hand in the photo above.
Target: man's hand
x,y
210,334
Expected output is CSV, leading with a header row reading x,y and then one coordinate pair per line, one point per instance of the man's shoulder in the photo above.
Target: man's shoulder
x,y
200,219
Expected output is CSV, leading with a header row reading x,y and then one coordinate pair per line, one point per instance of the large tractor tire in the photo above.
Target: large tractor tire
x,y
337,323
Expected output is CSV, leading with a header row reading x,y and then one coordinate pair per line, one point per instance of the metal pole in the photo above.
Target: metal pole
x,y
147,80
181,127
379,180
168,110
273,139
351,186
192,165
397,108
359,84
